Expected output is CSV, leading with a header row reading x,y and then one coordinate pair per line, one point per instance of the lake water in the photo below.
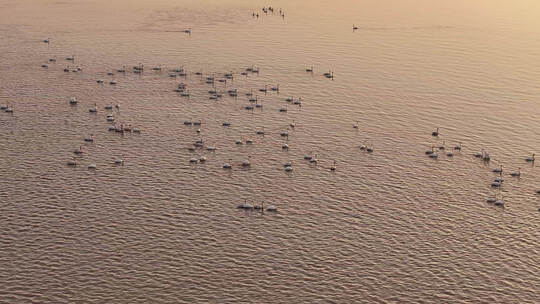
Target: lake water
x,y
392,226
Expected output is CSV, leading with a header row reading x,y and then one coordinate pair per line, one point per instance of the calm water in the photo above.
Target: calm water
x,y
392,226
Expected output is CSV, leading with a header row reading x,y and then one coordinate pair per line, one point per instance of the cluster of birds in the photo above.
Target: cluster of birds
x,y
253,103
249,207
266,10
214,94
497,183
122,129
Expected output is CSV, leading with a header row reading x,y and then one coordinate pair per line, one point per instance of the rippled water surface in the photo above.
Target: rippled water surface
x,y
392,226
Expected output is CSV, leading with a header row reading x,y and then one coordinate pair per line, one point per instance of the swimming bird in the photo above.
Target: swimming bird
x,y
479,154
435,133
272,208
79,151
498,170
245,206
516,173
246,163
89,139
530,159
499,202
228,165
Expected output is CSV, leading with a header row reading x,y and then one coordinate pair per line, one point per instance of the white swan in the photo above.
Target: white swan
x,y
78,151
442,147
516,173
89,139
498,170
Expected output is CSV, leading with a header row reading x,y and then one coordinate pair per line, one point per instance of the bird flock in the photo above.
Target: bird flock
x,y
497,199
253,103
